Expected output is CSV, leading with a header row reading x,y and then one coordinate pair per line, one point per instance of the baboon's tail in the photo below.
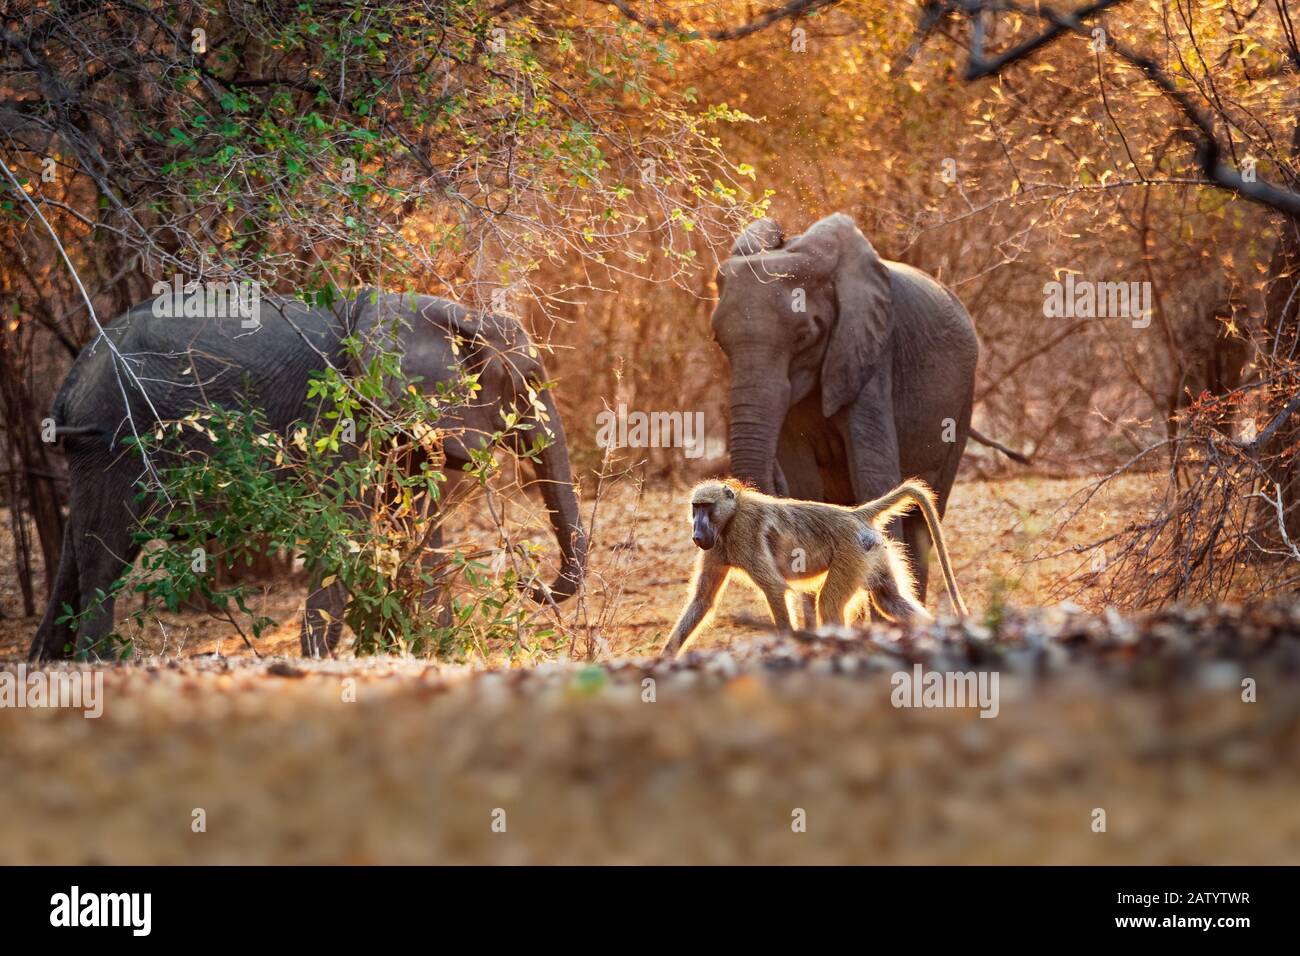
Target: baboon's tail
x,y
898,501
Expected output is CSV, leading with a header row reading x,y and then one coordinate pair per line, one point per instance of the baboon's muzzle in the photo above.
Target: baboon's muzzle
x,y
702,534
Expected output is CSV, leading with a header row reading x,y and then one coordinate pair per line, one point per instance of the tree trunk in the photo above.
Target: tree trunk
x,y
31,456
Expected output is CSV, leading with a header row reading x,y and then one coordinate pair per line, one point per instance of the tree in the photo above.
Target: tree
x,y
314,148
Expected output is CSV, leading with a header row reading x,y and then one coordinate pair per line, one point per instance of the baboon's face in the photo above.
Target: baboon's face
x,y
703,531
711,508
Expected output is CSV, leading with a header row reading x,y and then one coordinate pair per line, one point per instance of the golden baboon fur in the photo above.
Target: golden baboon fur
x,y
782,544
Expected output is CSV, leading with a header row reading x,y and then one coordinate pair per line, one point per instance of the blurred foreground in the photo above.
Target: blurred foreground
x,y
1143,719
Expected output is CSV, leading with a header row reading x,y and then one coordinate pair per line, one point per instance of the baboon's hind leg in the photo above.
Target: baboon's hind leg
x,y
895,603
843,581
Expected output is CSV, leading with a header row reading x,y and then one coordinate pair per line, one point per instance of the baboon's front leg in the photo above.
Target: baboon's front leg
x,y
780,612
710,577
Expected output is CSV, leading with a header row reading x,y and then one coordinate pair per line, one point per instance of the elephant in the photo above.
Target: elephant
x,y
147,368
849,373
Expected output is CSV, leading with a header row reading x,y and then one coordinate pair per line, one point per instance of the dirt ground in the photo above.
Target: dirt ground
x,y
642,556
749,749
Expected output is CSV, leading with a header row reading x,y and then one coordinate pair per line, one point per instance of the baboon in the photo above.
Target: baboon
x,y
836,551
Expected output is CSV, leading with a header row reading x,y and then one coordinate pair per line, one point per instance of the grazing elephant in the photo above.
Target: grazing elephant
x,y
849,373
163,368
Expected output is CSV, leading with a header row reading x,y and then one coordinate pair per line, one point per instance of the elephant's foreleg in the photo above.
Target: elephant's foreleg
x,y
435,602
874,460
322,620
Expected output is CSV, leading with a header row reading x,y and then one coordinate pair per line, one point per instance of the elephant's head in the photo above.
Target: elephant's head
x,y
814,311
509,374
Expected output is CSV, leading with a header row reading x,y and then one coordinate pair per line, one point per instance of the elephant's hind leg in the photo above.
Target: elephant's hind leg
x,y
104,550
916,532
435,602
52,639
917,538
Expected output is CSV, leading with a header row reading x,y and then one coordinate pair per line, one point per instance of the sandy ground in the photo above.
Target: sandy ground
x,y
750,749
642,557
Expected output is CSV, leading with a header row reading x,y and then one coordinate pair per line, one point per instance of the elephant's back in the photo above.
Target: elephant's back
x,y
181,362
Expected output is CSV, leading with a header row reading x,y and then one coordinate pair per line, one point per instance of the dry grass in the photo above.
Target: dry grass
x,y
643,557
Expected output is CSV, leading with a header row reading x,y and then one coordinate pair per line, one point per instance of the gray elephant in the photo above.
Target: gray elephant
x,y
165,367
849,373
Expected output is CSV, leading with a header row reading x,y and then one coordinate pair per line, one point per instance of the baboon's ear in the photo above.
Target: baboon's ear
x,y
835,251
761,235
727,492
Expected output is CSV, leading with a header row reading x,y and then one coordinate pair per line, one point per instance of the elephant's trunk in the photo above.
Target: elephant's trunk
x,y
757,411
562,506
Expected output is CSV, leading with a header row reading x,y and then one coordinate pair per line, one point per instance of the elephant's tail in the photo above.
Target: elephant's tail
x,y
998,446
77,431
60,414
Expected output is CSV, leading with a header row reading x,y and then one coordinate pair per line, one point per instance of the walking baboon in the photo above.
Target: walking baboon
x,y
781,543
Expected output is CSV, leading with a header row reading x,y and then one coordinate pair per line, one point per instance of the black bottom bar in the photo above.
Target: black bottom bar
x,y
334,905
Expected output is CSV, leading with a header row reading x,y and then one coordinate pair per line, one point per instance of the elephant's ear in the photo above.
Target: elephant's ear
x,y
761,235
864,313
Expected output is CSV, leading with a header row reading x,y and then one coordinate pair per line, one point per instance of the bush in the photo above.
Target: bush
x,y
357,490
